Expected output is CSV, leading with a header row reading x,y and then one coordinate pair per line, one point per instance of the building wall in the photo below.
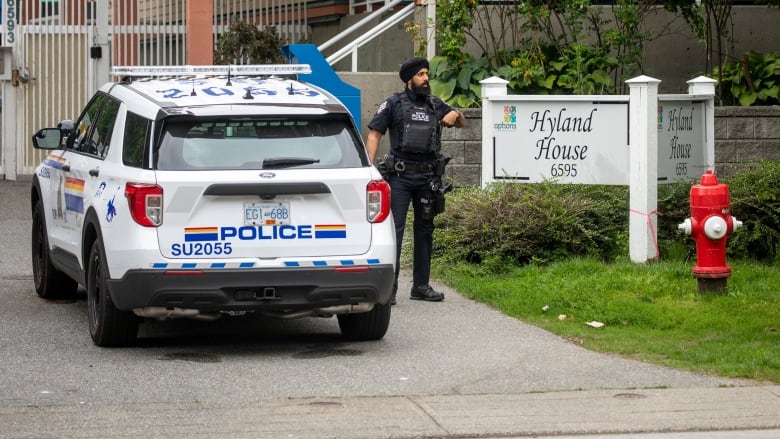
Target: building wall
x,y
744,135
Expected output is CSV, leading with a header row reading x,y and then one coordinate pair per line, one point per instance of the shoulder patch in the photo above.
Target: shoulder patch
x,y
381,107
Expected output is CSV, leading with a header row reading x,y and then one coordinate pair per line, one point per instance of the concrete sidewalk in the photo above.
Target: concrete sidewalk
x,y
591,412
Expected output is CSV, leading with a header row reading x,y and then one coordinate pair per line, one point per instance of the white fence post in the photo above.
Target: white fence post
x,y
103,63
643,168
493,87
704,86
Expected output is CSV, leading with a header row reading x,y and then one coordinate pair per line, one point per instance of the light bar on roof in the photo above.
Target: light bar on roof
x,y
237,70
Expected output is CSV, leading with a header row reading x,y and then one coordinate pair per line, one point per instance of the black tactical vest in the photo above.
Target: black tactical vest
x,y
420,133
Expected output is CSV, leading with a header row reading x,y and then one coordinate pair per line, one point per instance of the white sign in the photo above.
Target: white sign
x,y
10,18
681,140
581,141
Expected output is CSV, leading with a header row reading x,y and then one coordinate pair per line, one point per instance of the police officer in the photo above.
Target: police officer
x,y
414,118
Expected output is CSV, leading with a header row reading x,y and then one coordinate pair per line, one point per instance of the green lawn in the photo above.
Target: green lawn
x,y
651,312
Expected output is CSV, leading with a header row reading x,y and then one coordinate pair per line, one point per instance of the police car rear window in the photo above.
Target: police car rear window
x,y
263,143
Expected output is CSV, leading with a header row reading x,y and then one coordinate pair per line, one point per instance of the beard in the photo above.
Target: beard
x,y
421,90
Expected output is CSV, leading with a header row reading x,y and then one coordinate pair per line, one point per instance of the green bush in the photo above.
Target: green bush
x,y
517,224
755,200
521,223
752,80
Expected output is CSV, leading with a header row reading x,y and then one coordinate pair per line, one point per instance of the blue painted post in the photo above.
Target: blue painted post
x,y
323,75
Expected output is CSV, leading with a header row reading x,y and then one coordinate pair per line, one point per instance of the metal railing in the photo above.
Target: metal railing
x,y
354,45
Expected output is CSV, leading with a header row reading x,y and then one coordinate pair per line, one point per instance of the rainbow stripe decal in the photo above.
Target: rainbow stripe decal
x,y
54,161
326,231
74,194
195,234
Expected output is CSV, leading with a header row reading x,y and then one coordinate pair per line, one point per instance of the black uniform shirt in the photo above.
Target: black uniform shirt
x,y
390,115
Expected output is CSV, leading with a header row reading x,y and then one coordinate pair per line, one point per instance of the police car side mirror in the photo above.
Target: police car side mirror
x,y
47,138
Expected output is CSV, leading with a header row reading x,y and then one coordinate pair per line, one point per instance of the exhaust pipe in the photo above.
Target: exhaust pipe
x,y
320,312
162,313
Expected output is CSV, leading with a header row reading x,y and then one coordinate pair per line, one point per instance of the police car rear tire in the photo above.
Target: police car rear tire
x,y
50,283
366,326
108,326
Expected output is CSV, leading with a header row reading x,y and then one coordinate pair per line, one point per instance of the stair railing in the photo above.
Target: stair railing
x,y
354,45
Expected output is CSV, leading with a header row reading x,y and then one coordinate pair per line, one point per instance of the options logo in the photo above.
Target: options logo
x,y
509,120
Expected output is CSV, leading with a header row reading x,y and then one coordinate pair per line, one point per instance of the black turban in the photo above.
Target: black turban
x,y
411,67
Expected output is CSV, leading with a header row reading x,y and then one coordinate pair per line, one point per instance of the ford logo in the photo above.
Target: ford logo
x,y
267,174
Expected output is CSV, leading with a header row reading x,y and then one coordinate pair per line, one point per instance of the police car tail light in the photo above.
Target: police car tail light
x,y
146,201
378,196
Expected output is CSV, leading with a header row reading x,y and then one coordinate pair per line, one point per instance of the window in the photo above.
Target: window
x,y
101,136
50,8
94,128
310,143
84,125
135,139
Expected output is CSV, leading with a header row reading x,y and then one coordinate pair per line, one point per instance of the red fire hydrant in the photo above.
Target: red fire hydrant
x,y
710,225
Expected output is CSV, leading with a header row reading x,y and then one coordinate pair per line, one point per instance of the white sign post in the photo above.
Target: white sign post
x,y
643,169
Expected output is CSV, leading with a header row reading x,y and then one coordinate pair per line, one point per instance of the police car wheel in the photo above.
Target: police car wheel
x,y
366,326
107,325
50,283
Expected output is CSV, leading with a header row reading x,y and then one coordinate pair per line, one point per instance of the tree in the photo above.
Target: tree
x,y
244,43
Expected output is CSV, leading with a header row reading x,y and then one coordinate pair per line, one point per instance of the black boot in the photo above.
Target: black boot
x,y
425,292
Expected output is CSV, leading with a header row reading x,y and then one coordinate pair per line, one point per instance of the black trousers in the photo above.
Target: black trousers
x,y
409,187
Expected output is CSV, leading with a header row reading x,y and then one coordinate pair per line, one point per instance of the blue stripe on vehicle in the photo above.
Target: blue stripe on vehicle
x,y
291,264
195,237
74,202
327,234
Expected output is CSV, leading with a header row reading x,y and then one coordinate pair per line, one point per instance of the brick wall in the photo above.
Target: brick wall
x,y
742,135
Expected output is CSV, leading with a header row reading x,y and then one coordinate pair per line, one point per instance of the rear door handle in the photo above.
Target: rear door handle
x,y
94,172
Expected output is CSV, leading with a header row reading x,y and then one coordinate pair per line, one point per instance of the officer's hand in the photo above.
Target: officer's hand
x,y
451,119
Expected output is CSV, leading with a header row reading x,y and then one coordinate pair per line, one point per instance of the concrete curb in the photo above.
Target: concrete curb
x,y
464,416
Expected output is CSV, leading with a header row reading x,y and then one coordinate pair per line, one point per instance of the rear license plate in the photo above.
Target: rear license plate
x,y
267,214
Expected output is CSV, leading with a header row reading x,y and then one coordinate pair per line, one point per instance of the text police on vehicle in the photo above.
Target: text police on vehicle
x,y
203,191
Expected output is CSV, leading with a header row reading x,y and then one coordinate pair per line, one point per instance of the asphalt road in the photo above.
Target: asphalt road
x,y
222,379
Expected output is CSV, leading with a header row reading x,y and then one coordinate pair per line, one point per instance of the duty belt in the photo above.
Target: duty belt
x,y
408,166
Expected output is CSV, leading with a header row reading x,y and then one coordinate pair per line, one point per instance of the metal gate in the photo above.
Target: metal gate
x,y
57,53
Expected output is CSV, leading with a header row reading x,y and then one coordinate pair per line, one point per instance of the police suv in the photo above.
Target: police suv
x,y
205,191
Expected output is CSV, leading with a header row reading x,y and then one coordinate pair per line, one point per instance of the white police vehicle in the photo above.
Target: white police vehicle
x,y
203,191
